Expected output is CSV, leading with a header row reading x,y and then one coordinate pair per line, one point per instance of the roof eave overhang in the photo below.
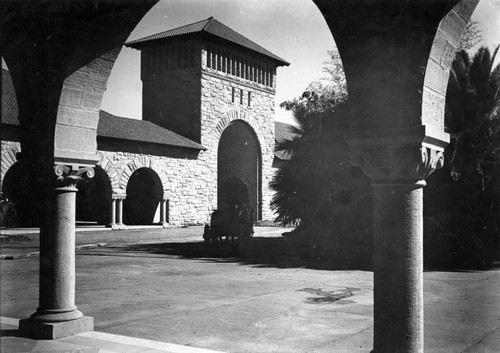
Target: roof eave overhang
x,y
141,44
200,148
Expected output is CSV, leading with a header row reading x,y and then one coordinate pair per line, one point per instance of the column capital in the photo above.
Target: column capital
x,y
396,163
119,196
68,176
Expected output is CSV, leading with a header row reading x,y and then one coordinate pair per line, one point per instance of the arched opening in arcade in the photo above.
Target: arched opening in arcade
x,y
239,170
93,199
17,210
144,193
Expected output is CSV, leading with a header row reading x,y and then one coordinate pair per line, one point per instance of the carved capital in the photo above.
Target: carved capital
x,y
396,163
68,176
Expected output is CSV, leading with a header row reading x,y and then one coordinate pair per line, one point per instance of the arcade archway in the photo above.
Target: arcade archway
x,y
144,192
93,198
14,188
239,169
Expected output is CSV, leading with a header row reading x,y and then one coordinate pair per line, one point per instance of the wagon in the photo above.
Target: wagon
x,y
234,223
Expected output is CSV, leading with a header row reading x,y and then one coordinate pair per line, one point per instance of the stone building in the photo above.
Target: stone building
x,y
396,57
206,140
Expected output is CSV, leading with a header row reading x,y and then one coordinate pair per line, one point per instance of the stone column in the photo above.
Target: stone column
x,y
57,315
163,213
112,213
397,172
119,213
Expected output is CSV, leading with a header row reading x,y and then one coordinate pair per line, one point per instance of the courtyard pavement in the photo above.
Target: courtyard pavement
x,y
161,290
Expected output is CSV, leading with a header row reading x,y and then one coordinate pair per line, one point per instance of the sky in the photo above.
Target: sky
x,y
294,30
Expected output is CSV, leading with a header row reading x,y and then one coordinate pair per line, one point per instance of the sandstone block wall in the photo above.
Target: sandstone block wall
x,y
218,110
183,181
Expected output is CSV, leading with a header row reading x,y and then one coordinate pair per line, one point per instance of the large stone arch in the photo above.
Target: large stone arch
x,y
60,124
437,72
53,49
239,168
143,162
75,135
251,120
397,56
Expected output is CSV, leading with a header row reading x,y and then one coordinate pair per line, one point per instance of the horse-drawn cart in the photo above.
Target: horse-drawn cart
x,y
232,223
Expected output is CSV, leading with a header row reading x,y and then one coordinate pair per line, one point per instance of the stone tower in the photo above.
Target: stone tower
x,y
212,85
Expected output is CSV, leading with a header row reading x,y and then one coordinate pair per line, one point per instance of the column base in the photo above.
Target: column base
x,y
34,329
164,225
118,226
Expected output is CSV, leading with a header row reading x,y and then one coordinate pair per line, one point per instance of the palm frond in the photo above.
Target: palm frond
x,y
289,145
460,71
480,69
494,84
495,52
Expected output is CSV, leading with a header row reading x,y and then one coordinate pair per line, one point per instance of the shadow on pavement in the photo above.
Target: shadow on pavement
x,y
261,252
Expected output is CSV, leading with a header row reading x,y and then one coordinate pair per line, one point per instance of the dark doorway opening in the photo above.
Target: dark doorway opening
x,y
239,169
144,192
93,198
16,200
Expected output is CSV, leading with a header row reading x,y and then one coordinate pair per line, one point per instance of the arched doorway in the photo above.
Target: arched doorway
x,y
93,198
14,188
144,192
239,169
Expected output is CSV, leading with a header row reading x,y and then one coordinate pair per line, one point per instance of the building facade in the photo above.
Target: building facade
x,y
206,140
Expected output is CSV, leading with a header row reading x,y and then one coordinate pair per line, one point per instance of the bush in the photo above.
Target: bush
x,y
8,214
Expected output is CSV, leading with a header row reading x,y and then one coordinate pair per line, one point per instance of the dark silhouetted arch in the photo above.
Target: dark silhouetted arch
x,y
239,168
93,198
14,188
144,192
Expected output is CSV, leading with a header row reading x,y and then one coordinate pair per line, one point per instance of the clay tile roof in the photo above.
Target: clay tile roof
x,y
9,101
213,27
140,130
282,132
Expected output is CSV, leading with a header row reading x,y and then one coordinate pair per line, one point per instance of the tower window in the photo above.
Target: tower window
x,y
241,96
249,98
233,94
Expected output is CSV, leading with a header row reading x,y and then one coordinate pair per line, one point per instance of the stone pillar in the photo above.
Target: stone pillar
x,y
398,267
163,213
397,172
112,213
57,315
119,212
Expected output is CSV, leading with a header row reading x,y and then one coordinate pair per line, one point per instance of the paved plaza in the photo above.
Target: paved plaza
x,y
161,290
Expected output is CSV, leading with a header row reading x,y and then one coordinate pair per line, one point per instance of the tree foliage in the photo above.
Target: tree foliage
x,y
318,190
323,95
463,198
473,118
332,203
303,186
472,36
